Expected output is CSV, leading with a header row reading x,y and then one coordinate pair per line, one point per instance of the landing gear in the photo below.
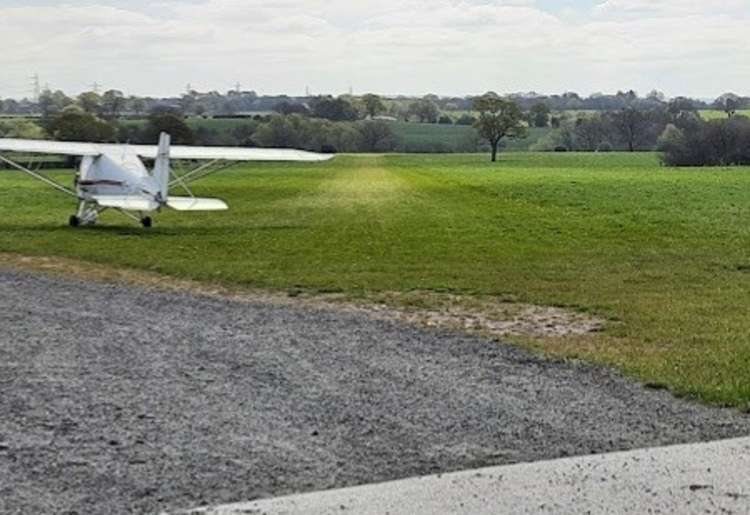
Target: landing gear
x,y
88,214
147,222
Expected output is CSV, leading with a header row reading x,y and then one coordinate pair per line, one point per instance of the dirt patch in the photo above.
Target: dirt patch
x,y
488,315
483,314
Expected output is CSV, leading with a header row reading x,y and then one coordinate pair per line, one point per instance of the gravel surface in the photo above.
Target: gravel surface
x,y
118,399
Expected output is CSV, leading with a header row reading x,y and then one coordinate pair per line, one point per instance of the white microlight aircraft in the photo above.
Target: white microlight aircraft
x,y
114,176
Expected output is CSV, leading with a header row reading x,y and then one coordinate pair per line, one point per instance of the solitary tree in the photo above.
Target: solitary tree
x,y
498,118
631,124
729,103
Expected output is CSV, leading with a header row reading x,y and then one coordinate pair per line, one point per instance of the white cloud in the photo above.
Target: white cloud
x,y
409,46
671,8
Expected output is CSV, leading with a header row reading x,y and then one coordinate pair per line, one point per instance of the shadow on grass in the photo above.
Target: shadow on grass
x,y
127,230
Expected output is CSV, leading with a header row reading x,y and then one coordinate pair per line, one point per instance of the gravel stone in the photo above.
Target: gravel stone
x,y
118,399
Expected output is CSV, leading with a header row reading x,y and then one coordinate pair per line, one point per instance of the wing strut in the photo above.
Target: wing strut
x,y
202,171
39,176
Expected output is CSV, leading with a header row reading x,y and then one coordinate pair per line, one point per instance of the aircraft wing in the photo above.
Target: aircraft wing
x,y
49,147
150,152
232,153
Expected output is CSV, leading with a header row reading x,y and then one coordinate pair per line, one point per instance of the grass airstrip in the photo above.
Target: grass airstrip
x,y
662,254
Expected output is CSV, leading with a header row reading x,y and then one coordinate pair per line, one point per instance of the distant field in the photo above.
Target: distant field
x,y
662,253
430,137
195,122
414,137
714,114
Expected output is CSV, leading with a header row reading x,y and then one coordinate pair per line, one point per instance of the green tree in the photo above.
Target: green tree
x,y
75,125
334,109
425,110
630,123
112,103
46,105
373,105
539,115
90,101
280,131
21,129
729,103
377,136
498,118
173,124
137,105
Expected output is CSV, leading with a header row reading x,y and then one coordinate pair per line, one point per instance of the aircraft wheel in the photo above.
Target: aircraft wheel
x,y
147,222
74,221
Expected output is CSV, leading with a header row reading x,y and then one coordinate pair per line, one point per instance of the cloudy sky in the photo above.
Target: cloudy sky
x,y
157,47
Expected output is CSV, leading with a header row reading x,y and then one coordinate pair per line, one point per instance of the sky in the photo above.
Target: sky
x,y
447,47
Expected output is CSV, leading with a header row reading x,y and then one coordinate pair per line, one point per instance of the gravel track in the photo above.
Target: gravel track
x,y
117,399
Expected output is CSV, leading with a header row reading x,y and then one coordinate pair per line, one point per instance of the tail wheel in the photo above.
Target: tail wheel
x,y
147,222
74,221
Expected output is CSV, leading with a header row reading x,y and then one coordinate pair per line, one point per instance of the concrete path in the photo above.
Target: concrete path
x,y
686,479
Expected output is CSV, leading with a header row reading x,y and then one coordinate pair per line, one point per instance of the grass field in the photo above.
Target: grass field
x,y
662,253
713,114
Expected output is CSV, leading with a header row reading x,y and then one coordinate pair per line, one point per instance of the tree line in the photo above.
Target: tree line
x,y
340,124
427,109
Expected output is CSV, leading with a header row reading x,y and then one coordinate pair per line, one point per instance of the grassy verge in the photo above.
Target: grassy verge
x,y
663,252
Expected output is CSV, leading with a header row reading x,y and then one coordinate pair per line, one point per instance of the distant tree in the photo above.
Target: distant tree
x,y
400,111
21,129
630,123
539,115
112,104
90,102
286,107
682,111
466,119
334,109
46,104
11,106
280,131
373,105
76,125
559,139
169,121
377,136
425,109
498,118
729,103
656,96
243,134
137,104
445,120
591,132
707,143
627,97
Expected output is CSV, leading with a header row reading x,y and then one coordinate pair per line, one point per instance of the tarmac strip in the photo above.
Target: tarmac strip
x,y
696,478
